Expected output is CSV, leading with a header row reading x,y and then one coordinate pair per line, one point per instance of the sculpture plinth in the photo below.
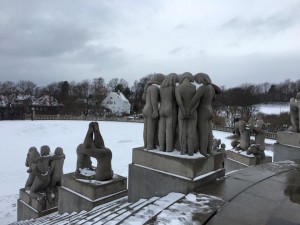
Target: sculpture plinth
x,y
154,173
287,146
238,160
32,208
78,194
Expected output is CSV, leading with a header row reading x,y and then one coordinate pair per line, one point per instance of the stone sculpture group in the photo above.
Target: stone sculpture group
x,y
93,146
45,172
243,131
176,103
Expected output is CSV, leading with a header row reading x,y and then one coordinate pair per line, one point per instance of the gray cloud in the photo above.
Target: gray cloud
x,y
175,50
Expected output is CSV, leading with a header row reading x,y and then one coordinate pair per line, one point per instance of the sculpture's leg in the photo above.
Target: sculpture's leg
x,y
170,133
30,180
162,133
210,138
88,140
145,132
183,136
151,129
191,134
203,136
99,143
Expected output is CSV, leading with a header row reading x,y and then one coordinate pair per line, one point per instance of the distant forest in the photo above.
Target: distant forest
x,y
86,96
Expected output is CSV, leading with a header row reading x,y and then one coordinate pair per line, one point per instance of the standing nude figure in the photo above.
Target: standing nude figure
x,y
168,113
187,122
202,101
150,110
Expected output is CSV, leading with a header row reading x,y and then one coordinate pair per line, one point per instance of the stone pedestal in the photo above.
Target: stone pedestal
x,y
76,195
287,146
153,173
32,208
238,160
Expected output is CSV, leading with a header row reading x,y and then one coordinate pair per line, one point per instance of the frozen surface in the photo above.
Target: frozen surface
x,y
18,136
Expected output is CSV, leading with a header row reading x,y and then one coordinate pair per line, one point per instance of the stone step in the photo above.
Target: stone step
x,y
149,211
116,212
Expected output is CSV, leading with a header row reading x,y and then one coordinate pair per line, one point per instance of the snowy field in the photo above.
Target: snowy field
x,y
18,136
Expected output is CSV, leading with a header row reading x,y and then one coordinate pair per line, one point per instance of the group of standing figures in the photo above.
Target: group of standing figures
x,y
177,108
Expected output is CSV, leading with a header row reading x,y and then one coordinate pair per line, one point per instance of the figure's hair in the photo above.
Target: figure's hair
x,y
186,75
202,78
33,154
170,80
156,79
45,150
58,151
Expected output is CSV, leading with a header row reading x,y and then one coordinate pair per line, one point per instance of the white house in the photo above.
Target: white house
x,y
117,103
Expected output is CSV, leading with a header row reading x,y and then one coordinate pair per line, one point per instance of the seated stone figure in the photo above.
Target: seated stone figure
x,y
56,169
39,178
295,113
244,137
260,134
93,146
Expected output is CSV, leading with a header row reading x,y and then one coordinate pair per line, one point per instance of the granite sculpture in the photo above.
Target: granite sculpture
x,y
168,113
187,119
243,134
44,174
93,146
258,129
295,114
202,103
150,111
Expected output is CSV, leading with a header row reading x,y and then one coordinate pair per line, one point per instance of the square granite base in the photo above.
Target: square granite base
x,y
76,195
32,208
153,173
285,152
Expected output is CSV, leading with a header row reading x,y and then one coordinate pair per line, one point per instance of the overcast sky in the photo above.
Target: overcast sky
x,y
233,41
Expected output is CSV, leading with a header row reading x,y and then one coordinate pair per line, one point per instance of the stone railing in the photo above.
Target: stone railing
x,y
125,119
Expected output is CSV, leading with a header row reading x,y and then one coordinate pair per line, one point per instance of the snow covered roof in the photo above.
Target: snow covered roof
x,y
46,100
119,95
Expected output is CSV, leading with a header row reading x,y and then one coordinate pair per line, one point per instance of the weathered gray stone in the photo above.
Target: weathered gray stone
x,y
146,182
285,152
153,173
150,111
288,138
247,160
31,208
295,113
189,167
77,195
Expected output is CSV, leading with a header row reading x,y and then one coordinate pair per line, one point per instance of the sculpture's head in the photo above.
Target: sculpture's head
x,y
58,151
298,96
157,79
202,78
170,80
186,75
259,115
33,155
45,150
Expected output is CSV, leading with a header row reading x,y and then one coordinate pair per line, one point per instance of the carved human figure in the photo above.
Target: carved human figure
x,y
202,103
56,169
93,146
28,163
168,113
150,111
260,134
39,171
295,113
244,136
187,121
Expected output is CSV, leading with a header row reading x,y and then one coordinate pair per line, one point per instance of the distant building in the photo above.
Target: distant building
x,y
46,105
117,103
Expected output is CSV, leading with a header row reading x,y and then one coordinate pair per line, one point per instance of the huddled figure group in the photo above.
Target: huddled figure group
x,y
45,171
243,131
178,113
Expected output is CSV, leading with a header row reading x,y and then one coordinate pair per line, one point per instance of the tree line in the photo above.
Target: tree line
x,y
86,96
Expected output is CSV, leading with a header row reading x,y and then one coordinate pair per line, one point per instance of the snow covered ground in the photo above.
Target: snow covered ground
x,y
273,109
16,137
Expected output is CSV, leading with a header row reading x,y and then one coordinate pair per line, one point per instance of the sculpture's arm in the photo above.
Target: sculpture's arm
x,y
217,89
195,101
37,173
154,101
179,100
